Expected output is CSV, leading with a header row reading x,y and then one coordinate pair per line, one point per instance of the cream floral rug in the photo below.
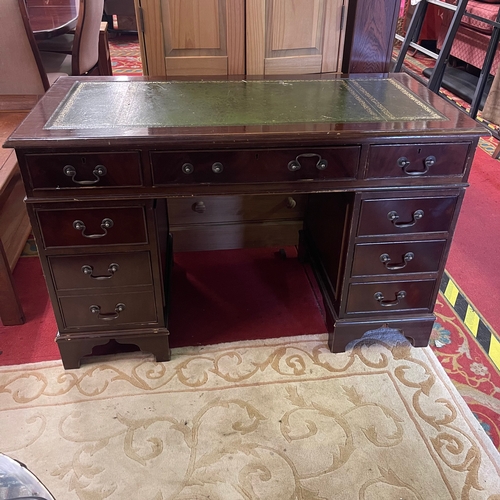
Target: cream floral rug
x,y
278,420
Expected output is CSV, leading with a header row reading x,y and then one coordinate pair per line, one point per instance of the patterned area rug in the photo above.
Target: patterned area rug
x,y
278,419
471,370
125,54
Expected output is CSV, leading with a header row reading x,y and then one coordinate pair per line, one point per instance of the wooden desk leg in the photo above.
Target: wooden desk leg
x,y
104,61
11,312
496,153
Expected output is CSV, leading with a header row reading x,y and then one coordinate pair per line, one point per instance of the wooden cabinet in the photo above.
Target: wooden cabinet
x,y
192,37
291,37
253,37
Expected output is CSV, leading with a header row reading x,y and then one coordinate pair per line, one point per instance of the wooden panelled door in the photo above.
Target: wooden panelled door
x,y
294,36
207,37
192,37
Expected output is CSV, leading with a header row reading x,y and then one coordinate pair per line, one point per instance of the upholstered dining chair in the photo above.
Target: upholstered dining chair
x,y
21,68
84,56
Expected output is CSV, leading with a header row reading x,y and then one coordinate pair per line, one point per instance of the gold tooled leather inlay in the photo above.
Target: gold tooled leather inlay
x,y
126,104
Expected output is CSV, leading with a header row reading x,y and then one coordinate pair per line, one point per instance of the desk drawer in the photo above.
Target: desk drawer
x,y
93,226
63,171
216,209
397,258
98,271
109,311
390,296
249,166
417,160
406,215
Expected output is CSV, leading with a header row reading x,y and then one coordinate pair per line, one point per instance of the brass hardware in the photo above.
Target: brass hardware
x,y
199,207
290,202
295,165
379,297
187,168
393,216
120,307
105,225
404,163
217,167
386,259
99,171
112,268
430,161
322,164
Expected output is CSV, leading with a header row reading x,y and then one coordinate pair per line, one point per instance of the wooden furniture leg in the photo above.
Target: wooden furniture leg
x,y
11,312
14,231
104,62
496,153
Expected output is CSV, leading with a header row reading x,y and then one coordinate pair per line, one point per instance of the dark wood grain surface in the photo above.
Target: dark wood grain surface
x,y
370,30
49,18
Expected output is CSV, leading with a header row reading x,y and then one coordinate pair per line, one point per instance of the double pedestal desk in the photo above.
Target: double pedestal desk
x,y
380,167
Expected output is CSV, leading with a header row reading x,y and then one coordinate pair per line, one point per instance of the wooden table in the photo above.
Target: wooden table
x,y
14,223
49,18
380,163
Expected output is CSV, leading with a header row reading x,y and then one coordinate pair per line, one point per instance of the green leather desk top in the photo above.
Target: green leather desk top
x,y
149,104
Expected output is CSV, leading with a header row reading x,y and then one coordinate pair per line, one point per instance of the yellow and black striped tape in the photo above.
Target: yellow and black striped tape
x,y
477,326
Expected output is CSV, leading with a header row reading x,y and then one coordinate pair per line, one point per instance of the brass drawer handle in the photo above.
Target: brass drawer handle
x,y
99,171
393,216
379,297
295,165
404,163
217,167
199,207
120,307
187,168
386,259
105,225
88,270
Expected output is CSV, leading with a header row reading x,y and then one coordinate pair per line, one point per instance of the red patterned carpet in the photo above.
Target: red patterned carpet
x,y
468,366
125,54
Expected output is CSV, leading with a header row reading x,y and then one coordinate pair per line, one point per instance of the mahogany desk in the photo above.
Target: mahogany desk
x,y
381,163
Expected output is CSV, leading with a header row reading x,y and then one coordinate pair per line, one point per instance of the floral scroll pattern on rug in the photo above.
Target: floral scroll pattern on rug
x,y
472,371
277,419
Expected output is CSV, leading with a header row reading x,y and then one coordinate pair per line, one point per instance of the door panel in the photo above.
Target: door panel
x,y
195,37
293,36
207,37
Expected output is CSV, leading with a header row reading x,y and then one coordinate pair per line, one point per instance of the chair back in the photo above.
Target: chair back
x,y
21,69
85,54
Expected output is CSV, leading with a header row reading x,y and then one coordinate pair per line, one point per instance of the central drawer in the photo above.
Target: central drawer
x,y
254,166
217,209
93,226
